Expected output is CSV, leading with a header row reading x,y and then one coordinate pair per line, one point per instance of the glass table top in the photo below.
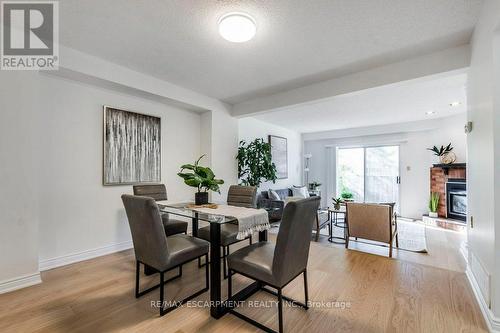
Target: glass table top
x,y
186,209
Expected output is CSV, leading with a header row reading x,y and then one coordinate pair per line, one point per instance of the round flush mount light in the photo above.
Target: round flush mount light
x,y
237,27
430,113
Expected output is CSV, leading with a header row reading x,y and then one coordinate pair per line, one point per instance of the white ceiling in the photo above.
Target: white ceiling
x,y
397,103
298,42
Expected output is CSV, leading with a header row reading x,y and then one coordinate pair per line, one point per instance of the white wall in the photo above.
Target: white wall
x,y
224,149
483,151
77,212
18,182
415,160
54,207
251,129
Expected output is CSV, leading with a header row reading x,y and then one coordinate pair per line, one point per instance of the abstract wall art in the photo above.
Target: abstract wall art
x,y
132,148
279,154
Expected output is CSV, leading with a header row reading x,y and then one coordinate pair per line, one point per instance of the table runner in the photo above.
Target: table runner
x,y
249,219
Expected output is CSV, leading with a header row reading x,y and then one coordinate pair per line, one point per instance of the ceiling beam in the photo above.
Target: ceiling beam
x,y
79,66
452,59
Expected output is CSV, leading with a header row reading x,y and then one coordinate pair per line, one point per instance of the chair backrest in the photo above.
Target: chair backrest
x,y
155,191
294,237
148,233
369,221
242,196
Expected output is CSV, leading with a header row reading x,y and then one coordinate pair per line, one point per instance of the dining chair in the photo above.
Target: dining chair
x,y
159,192
277,265
159,252
240,196
376,222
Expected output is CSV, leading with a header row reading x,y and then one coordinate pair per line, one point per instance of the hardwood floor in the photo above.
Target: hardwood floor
x,y
367,293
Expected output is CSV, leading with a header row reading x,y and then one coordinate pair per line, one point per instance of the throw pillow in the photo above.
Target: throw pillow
x,y
273,195
300,191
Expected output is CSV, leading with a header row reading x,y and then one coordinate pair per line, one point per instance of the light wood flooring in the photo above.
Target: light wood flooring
x,y
410,293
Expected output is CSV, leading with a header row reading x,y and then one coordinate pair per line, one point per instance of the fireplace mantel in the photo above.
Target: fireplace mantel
x,y
447,167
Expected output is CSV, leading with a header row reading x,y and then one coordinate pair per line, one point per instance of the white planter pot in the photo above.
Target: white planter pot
x,y
432,214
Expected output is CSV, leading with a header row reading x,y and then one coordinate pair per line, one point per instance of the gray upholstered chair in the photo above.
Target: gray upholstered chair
x,y
159,192
241,196
277,265
159,252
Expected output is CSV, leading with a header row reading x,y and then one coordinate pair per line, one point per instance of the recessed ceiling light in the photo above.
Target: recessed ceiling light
x,y
237,27
430,112
455,104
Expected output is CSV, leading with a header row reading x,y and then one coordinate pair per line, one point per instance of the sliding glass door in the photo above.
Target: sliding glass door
x,y
370,174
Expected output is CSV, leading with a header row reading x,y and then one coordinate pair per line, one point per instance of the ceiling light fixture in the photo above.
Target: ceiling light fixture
x,y
455,104
430,112
237,27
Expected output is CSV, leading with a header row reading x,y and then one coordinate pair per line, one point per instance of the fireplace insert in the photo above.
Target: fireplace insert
x,y
456,199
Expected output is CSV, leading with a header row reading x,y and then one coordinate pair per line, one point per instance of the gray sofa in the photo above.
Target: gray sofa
x,y
275,206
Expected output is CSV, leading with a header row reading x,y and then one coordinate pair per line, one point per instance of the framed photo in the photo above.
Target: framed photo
x,y
279,152
132,147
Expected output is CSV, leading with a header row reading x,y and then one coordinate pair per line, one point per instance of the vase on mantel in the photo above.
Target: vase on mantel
x,y
433,214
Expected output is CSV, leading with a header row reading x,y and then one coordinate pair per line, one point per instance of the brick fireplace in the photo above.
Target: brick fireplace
x,y
441,174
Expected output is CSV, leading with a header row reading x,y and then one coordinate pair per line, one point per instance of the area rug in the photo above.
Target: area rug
x,y
411,236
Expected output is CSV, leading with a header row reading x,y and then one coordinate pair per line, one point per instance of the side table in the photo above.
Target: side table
x,y
337,218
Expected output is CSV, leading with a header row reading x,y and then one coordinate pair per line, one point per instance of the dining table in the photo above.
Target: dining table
x,y
218,306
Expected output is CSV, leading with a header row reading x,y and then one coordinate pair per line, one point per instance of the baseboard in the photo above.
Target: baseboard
x,y
20,282
492,321
84,255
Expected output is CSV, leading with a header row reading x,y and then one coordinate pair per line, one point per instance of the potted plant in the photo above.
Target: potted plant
x,y
202,178
347,195
434,204
444,153
337,202
255,163
314,186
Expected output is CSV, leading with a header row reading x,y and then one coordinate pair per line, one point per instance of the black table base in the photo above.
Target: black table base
x,y
218,308
334,222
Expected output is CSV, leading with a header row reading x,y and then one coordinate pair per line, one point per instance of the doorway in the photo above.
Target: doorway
x,y
369,174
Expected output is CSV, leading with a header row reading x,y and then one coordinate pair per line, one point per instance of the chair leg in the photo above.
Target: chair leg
x,y
347,243
280,310
207,279
250,240
164,310
162,296
397,241
390,250
137,273
306,293
230,285
225,253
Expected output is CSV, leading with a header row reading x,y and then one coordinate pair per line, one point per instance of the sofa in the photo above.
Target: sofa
x,y
275,207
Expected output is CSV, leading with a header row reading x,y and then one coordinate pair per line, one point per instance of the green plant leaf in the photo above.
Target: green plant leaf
x,y
187,167
202,177
255,162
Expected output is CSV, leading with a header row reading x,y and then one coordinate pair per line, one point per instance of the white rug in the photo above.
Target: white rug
x,y
411,236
